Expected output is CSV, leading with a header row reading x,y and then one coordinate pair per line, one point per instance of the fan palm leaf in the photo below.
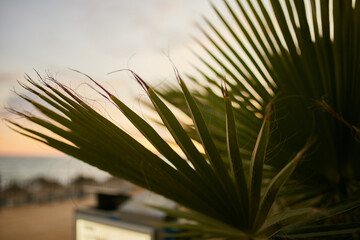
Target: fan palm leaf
x,y
303,56
299,61
213,193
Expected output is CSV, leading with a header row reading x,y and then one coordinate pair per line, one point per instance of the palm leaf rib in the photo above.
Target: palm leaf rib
x,y
235,159
215,159
240,84
256,85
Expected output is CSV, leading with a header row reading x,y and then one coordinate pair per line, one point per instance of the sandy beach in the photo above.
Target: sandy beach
x,y
47,221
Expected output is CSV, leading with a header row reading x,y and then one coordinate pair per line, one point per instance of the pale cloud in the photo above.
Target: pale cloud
x,y
95,37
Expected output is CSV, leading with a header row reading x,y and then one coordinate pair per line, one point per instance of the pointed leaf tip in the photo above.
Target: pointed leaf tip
x,y
142,83
97,84
176,71
224,89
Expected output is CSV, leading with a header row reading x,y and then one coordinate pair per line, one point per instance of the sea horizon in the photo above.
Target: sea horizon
x,y
63,169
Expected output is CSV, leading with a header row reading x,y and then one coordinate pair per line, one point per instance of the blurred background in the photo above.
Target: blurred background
x,y
94,37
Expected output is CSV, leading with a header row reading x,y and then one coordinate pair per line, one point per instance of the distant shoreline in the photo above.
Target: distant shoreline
x,y
62,169
43,190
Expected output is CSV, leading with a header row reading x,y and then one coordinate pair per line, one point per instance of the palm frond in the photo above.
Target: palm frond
x,y
299,57
202,183
303,56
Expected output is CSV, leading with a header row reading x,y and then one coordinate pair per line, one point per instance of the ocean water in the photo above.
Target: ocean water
x,y
61,169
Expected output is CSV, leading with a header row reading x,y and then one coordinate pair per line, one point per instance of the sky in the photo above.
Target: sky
x,y
94,37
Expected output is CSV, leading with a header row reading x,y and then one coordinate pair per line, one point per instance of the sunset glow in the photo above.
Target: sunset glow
x,y
95,38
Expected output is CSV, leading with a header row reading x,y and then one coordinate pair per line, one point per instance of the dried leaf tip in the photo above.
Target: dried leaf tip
x,y
68,91
142,83
224,89
20,114
178,77
97,84
176,71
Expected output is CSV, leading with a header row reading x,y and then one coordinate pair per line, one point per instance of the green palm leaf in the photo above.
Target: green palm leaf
x,y
209,187
299,57
303,56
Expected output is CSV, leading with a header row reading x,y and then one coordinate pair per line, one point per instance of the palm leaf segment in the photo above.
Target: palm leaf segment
x,y
304,57
221,201
202,182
